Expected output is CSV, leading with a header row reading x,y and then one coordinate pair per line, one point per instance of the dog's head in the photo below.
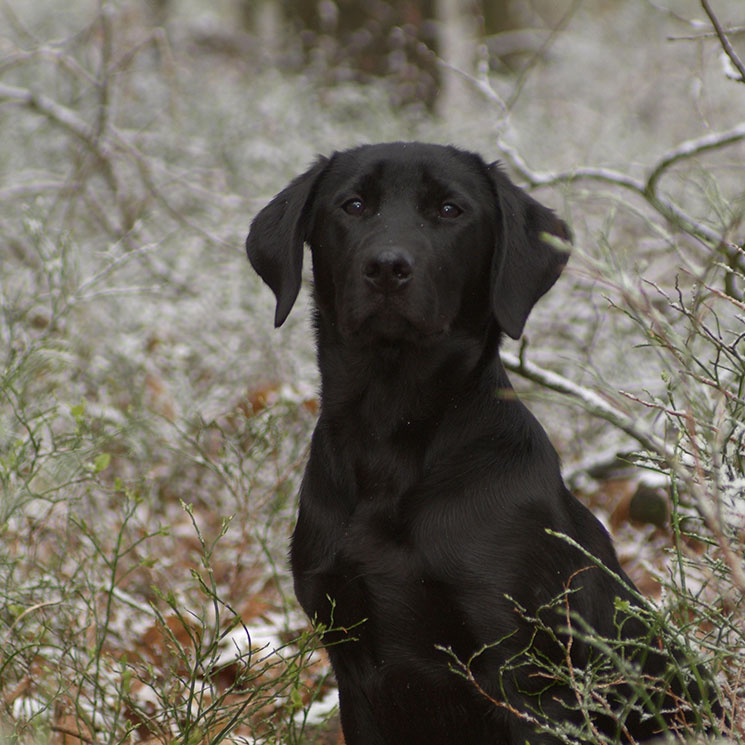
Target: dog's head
x,y
408,241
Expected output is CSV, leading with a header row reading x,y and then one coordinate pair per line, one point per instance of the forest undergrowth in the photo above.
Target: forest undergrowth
x,y
154,427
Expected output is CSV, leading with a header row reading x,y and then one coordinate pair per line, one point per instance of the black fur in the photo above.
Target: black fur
x,y
430,488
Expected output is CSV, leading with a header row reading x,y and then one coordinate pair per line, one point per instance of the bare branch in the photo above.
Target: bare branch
x,y
100,146
734,31
76,734
591,402
692,148
18,27
64,61
541,53
104,77
33,188
481,84
723,40
646,189
61,115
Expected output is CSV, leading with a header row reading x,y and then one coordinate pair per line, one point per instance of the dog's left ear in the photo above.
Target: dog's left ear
x,y
525,265
275,242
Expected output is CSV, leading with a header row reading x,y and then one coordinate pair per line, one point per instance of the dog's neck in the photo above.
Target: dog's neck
x,y
391,398
405,380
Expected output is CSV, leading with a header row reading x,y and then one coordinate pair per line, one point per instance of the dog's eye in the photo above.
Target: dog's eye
x,y
450,211
354,207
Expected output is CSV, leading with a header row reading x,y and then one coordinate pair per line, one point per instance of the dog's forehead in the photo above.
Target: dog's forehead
x,y
401,166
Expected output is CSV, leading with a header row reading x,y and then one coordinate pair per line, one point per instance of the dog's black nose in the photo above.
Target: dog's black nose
x,y
388,271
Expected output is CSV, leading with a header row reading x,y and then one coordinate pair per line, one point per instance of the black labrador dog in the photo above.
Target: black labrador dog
x,y
436,539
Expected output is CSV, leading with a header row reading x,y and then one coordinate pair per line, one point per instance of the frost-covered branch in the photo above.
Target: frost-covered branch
x,y
724,40
98,144
645,188
61,115
692,148
108,145
590,401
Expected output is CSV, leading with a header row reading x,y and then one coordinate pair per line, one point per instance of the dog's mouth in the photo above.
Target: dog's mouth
x,y
391,322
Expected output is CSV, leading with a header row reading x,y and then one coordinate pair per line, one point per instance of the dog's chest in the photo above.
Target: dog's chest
x,y
382,469
380,581
380,557
373,556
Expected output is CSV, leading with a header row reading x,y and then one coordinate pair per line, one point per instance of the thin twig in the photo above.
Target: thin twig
x,y
575,686
734,31
64,731
28,610
723,40
103,80
540,54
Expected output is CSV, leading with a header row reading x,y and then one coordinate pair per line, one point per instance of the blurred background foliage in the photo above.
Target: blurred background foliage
x,y
153,425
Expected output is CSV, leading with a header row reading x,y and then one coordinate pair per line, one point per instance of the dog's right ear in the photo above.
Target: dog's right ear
x,y
275,241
